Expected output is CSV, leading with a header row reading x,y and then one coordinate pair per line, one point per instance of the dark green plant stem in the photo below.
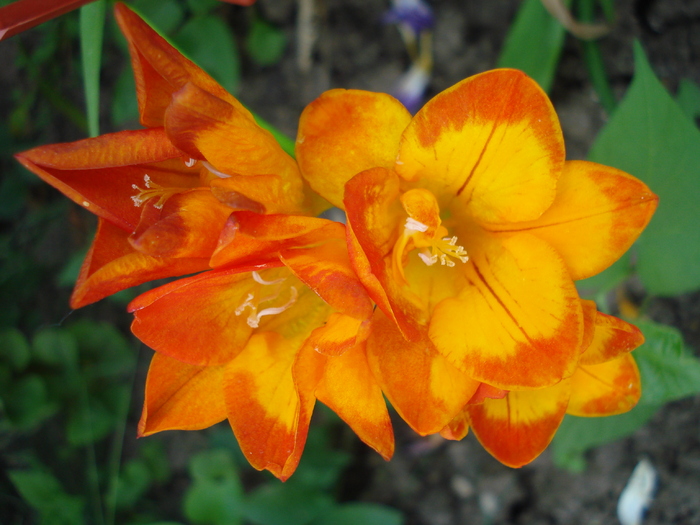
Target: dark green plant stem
x,y
594,61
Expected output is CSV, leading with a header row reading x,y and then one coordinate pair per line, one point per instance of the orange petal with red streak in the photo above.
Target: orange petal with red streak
x,y
596,216
112,265
181,396
458,428
492,141
612,338
264,408
518,311
423,387
517,428
160,69
100,173
606,389
344,132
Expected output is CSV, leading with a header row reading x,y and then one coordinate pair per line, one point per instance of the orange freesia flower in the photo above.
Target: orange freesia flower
x,y
164,193
278,323
468,228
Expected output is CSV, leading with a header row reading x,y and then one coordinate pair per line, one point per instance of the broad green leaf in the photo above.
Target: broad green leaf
x,y
534,43
668,370
361,514
55,347
166,15
650,137
44,493
88,422
277,504
265,43
688,98
200,7
578,434
14,349
92,22
27,402
215,497
208,41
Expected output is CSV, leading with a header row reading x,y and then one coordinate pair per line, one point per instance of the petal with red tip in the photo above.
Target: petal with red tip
x,y
605,389
612,338
590,311
112,265
458,428
337,336
423,387
492,141
160,69
211,129
264,408
181,396
518,322
596,216
344,132
100,173
188,225
486,391
517,428
346,385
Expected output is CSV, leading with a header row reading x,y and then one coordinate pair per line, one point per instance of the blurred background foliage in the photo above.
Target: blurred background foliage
x,y
69,381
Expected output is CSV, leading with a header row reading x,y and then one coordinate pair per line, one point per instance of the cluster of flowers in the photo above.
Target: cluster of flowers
x,y
450,291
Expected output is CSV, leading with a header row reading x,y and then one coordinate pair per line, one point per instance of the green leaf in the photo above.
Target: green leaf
x,y
265,43
277,504
27,402
208,41
607,279
132,483
215,497
534,43
88,422
125,106
361,514
688,98
668,370
14,349
650,137
578,434
166,15
55,347
44,493
201,7
92,22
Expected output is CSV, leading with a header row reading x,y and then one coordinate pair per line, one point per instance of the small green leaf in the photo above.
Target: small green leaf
x,y
44,493
361,514
202,7
208,41
265,43
88,423
668,370
132,483
277,504
215,497
14,349
688,98
92,22
27,402
166,15
534,43
649,137
55,347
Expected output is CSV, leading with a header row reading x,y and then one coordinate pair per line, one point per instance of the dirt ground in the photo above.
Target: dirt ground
x,y
450,483
436,482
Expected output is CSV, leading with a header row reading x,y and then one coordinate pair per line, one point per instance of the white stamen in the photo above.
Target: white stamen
x,y
428,259
258,279
190,162
415,226
86,204
254,319
216,172
248,302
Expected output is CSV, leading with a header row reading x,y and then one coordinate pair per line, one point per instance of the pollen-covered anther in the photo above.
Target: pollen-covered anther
x,y
444,250
412,225
152,191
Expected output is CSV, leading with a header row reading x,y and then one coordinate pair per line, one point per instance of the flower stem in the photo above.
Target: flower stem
x,y
594,61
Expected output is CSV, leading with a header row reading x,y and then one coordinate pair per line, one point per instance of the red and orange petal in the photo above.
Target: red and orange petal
x,y
188,225
458,428
605,389
596,216
100,173
181,396
112,265
344,132
268,416
376,217
424,388
209,128
612,338
518,322
160,69
347,386
492,141
517,428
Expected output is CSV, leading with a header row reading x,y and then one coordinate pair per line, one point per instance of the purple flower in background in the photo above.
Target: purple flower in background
x,y
411,87
416,14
